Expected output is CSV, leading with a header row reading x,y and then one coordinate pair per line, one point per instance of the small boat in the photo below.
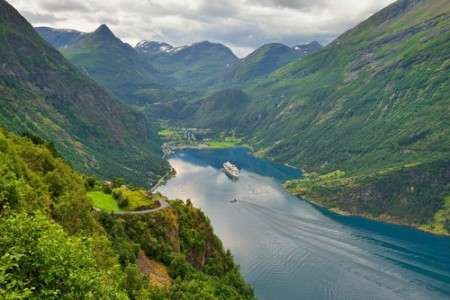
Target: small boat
x,y
231,170
233,200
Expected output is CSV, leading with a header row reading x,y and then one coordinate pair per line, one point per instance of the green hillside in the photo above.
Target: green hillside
x,y
114,64
217,111
373,103
53,245
40,92
381,88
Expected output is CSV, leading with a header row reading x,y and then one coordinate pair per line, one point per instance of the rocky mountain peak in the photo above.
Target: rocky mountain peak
x,y
104,32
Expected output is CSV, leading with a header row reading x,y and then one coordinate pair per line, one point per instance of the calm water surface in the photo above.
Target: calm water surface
x,y
290,249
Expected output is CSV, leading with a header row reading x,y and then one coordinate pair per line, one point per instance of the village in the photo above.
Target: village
x,y
181,137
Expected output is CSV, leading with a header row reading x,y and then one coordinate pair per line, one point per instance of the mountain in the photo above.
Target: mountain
x,y
193,66
379,86
308,47
265,60
152,48
114,64
374,105
42,93
59,38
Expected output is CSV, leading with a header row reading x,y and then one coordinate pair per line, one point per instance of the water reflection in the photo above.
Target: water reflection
x,y
290,249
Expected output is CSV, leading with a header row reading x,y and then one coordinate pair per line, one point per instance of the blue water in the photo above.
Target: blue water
x,y
290,249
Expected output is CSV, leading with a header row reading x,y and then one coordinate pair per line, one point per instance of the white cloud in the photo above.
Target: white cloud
x,y
242,25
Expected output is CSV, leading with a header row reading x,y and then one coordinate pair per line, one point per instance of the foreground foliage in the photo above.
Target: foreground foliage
x,y
39,259
54,246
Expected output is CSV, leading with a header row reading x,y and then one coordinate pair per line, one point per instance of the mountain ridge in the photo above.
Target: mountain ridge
x,y
41,92
116,65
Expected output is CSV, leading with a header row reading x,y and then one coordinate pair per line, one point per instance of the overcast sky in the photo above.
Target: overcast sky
x,y
242,25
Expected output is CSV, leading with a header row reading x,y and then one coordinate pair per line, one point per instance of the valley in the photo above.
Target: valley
x,y
359,126
372,103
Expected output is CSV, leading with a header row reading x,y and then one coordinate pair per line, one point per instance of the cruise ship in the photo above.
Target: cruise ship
x,y
231,170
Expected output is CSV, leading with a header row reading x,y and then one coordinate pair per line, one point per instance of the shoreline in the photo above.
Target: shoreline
x,y
369,217
385,219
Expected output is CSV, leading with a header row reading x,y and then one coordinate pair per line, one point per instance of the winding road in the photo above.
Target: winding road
x,y
163,204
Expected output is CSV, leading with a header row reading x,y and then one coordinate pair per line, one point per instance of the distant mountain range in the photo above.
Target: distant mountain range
x,y
42,93
60,38
161,69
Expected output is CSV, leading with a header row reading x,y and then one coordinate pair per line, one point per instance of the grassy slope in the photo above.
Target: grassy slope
x,y
136,199
103,201
42,93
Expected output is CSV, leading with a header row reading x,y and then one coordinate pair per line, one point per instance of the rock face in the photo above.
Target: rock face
x,y
43,93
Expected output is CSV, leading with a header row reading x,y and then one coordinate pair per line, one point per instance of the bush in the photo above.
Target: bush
x,y
38,258
107,189
123,202
90,182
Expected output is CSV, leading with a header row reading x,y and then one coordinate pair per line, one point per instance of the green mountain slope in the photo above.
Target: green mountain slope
x,y
114,64
53,245
216,111
380,87
42,93
193,66
264,61
373,102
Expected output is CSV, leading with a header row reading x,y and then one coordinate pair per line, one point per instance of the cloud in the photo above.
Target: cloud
x,y
294,4
242,25
38,18
63,6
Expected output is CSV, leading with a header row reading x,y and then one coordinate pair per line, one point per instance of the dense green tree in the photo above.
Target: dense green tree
x,y
39,259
